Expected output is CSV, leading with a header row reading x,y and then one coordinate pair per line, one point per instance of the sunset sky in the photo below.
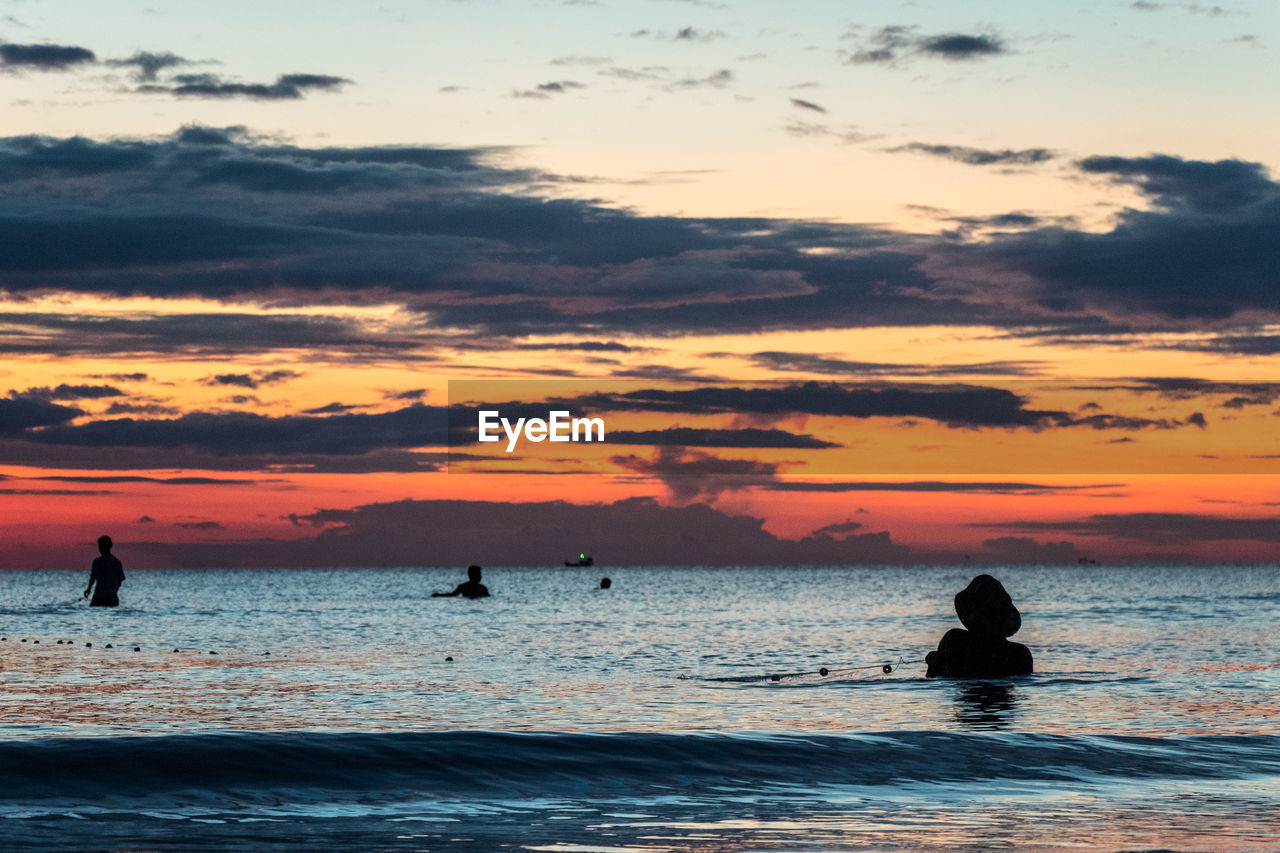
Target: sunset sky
x,y
853,282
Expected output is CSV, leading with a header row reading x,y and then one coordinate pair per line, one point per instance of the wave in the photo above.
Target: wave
x,y
300,767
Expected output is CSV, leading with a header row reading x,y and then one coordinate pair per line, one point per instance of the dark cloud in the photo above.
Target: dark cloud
x,y
239,433
1134,423
800,103
1197,186
333,409
664,373
251,380
978,156
221,213
1028,551
985,488
689,437
957,46
954,405
140,409
716,80
633,532
560,86
897,44
797,362
411,394
167,481
1205,251
254,456
19,414
217,334
286,87
694,34
56,492
70,392
1261,344
691,475
148,65
579,346
1239,394
1158,528
448,234
957,405
199,525
44,57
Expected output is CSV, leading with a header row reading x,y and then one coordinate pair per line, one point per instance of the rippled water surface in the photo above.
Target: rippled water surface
x,y
320,709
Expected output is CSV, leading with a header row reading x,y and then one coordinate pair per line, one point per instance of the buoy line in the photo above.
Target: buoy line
x,y
822,672
89,645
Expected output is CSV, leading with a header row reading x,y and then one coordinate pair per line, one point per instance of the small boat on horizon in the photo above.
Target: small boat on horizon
x,y
583,560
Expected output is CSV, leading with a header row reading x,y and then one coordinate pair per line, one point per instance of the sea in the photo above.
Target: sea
x,y
684,709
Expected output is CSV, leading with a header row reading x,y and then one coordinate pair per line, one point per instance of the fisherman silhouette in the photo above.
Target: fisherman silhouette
x,y
472,588
980,649
107,573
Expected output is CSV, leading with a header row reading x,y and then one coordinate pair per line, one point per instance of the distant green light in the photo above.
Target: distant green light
x,y
582,556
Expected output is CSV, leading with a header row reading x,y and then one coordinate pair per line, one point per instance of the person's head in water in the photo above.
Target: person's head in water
x,y
104,545
605,583
473,574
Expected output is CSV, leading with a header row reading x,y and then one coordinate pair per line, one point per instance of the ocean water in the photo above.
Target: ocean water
x,y
643,718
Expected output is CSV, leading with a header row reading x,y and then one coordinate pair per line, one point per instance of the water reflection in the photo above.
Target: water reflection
x,y
986,705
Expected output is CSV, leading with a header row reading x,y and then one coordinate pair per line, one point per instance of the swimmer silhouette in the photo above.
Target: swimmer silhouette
x,y
980,649
605,583
471,589
108,573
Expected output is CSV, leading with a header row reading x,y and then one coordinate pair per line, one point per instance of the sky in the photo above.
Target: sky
x,y
852,283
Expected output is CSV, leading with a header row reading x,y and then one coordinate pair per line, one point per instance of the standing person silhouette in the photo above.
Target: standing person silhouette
x,y
471,588
108,573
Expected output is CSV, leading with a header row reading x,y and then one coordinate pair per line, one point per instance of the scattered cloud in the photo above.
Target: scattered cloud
x,y
978,156
802,104
849,135
684,34
147,65
582,60
716,80
214,86
897,44
251,380
70,392
140,409
795,362
43,57
560,86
